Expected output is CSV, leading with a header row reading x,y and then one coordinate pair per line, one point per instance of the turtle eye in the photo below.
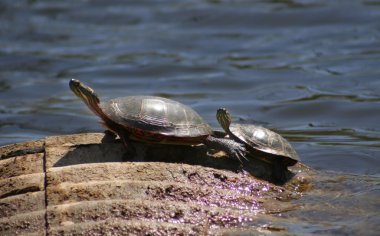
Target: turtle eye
x,y
74,82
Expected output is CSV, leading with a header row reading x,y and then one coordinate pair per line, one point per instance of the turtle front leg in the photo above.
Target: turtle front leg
x,y
110,133
279,174
124,137
231,147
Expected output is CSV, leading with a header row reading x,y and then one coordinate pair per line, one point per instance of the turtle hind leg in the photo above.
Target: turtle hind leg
x,y
232,148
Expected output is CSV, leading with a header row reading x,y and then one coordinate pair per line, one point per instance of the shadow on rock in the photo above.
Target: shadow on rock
x,y
110,149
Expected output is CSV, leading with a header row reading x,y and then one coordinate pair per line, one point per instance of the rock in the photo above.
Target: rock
x,y
85,184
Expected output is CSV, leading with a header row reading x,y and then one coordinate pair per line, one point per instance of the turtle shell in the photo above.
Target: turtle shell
x,y
266,141
156,119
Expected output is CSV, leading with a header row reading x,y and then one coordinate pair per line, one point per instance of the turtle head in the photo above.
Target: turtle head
x,y
224,118
84,92
87,95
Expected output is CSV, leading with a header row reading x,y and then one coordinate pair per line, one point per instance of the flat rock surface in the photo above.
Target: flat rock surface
x,y
85,184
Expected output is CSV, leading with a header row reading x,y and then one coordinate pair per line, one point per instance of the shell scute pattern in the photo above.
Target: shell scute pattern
x,y
156,114
264,140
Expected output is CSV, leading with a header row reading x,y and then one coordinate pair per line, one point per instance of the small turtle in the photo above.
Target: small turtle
x,y
261,143
151,119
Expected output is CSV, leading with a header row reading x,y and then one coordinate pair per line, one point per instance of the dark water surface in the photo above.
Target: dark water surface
x,y
307,69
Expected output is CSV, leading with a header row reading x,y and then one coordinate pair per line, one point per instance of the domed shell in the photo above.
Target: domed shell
x,y
156,115
265,140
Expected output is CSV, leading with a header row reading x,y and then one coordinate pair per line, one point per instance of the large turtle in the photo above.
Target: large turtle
x,y
261,143
151,119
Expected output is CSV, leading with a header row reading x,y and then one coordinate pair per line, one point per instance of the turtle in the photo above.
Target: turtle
x,y
153,120
261,143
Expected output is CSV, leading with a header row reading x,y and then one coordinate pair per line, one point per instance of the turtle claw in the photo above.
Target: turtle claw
x,y
242,156
239,152
236,150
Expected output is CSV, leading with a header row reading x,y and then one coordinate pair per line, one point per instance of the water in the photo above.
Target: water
x,y
307,69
